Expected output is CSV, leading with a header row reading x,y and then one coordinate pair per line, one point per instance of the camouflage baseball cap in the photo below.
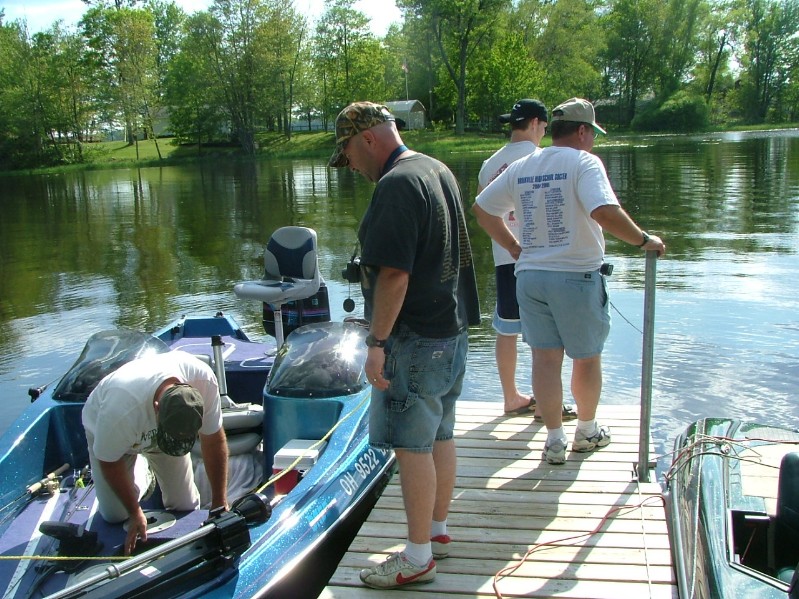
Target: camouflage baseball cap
x,y
180,416
357,117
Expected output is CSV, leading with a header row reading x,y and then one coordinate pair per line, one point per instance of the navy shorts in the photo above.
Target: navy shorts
x,y
506,316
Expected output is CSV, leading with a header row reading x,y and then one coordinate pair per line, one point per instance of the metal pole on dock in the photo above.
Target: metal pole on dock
x,y
646,364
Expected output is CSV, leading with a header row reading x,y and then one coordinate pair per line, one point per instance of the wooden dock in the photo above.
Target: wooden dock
x,y
561,525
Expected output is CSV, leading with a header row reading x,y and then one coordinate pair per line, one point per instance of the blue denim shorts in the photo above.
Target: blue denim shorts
x,y
564,309
426,377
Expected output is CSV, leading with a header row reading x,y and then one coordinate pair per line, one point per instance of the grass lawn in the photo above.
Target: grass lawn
x,y
117,154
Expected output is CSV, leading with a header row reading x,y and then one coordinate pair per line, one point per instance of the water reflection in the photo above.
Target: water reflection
x,y
83,252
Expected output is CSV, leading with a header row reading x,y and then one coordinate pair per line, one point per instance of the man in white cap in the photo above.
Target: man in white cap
x,y
565,201
154,406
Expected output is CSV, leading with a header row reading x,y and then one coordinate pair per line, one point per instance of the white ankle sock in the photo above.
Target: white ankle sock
x,y
556,434
438,528
587,427
419,554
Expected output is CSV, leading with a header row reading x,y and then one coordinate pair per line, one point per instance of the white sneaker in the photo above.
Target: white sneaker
x,y
583,444
440,545
397,571
555,451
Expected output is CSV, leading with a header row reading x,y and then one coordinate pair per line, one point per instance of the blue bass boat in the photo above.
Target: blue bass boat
x,y
302,476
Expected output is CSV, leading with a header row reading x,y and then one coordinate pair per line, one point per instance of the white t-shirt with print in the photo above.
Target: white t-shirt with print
x,y
491,169
119,416
553,192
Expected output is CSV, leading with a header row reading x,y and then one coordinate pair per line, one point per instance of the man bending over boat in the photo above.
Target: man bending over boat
x,y
154,406
420,294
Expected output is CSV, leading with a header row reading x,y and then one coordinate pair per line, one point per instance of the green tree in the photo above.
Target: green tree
x,y
43,98
677,44
770,46
168,22
344,67
568,49
280,43
121,46
19,144
421,65
501,76
717,37
66,85
459,28
194,94
229,39
307,97
629,57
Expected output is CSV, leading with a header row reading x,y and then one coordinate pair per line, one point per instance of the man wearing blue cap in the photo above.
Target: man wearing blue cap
x,y
154,406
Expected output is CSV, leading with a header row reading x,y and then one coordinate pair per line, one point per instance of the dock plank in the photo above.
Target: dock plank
x,y
587,529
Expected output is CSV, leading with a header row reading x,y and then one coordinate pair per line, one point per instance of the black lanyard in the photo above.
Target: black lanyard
x,y
393,158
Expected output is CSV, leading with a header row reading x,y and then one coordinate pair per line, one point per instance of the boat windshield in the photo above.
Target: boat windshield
x,y
103,353
320,360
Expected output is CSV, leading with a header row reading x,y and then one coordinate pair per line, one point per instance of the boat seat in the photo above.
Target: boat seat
x,y
243,422
291,272
787,518
243,425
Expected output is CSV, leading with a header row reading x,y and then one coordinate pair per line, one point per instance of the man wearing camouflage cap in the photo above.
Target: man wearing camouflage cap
x,y
420,294
566,202
154,406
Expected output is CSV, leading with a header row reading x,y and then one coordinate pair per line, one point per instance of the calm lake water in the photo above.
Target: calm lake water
x,y
84,252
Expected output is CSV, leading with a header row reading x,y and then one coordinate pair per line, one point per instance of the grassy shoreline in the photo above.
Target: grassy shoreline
x,y
118,154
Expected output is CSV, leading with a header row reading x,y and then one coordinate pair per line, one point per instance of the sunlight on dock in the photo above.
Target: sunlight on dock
x,y
509,504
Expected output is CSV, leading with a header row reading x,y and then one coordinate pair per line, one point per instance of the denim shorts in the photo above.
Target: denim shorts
x,y
506,316
564,309
426,377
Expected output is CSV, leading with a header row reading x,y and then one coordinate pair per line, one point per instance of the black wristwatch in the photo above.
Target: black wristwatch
x,y
372,341
646,239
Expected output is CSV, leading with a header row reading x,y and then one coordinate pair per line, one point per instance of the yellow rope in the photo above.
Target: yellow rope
x,y
64,558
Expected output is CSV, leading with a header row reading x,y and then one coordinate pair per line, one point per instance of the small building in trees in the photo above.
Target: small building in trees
x,y
412,113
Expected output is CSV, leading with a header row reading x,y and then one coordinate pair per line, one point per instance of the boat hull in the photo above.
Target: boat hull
x,y
720,513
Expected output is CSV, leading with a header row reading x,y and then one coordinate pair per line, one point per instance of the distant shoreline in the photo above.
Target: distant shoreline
x,y
118,154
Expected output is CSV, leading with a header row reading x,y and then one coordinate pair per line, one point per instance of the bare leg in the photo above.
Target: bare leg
x,y
587,385
548,387
427,481
445,462
418,483
506,353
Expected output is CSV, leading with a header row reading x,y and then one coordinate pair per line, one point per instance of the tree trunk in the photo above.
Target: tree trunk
x,y
711,84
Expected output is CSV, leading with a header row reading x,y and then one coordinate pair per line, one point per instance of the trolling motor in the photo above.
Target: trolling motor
x,y
222,538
